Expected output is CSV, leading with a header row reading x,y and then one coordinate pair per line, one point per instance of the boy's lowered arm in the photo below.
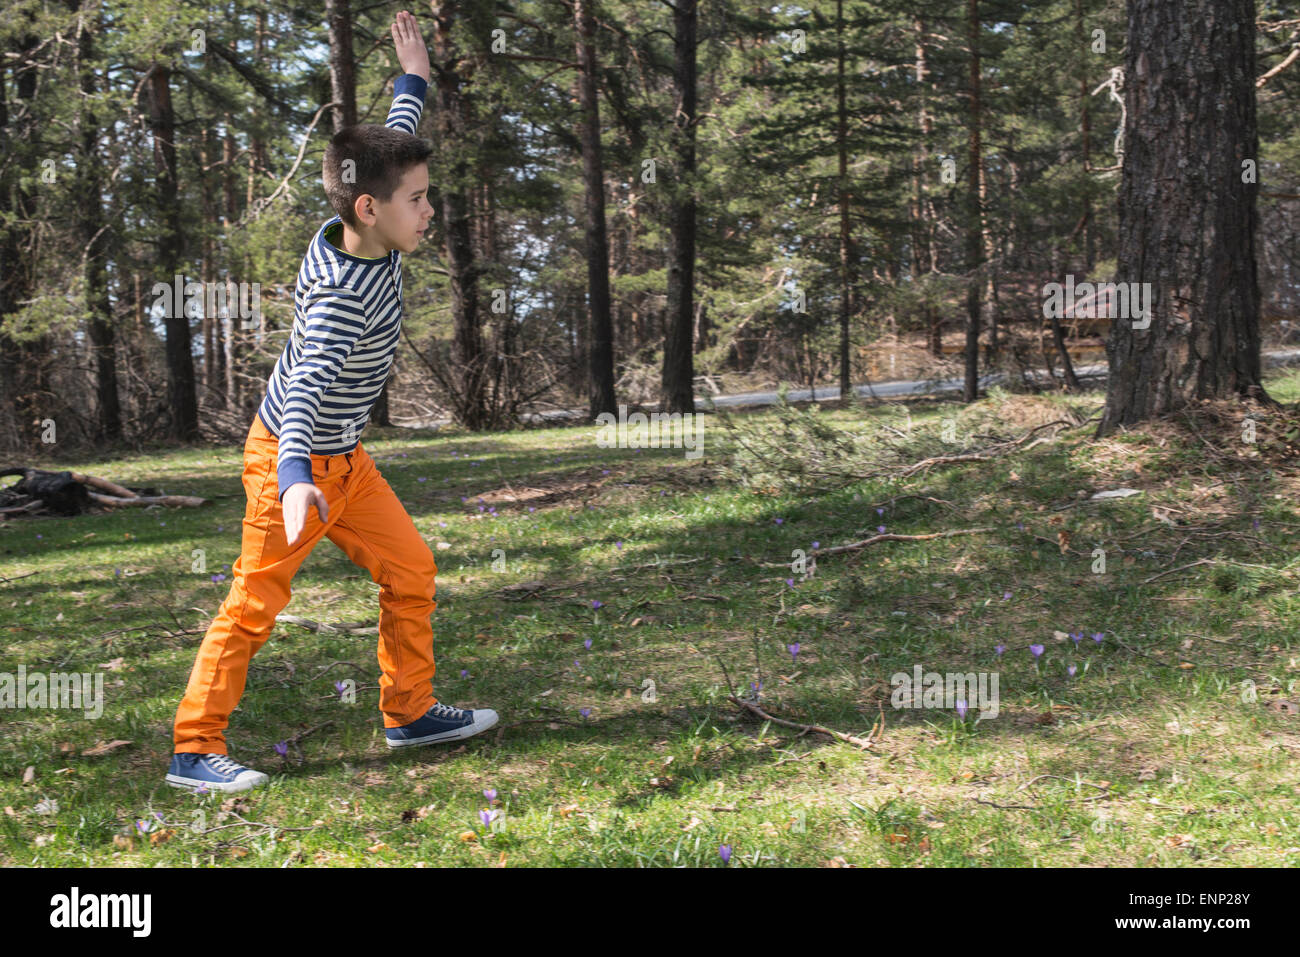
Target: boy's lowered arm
x,y
335,320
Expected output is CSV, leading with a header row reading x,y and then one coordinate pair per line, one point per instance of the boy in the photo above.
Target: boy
x,y
302,450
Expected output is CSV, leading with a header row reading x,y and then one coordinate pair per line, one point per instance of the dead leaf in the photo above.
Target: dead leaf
x,y
1063,539
29,775
124,842
1282,706
101,748
1147,774
162,837
114,665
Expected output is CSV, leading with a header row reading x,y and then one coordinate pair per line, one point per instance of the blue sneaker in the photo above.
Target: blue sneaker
x,y
212,772
441,723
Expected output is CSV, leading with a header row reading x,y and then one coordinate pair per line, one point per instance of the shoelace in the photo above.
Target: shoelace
x,y
447,711
223,765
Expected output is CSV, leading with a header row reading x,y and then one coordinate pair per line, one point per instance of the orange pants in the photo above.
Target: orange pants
x,y
367,521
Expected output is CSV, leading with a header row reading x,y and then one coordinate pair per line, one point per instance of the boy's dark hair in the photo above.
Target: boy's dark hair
x,y
379,157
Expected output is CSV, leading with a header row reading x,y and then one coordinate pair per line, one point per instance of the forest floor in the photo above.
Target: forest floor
x,y
1173,741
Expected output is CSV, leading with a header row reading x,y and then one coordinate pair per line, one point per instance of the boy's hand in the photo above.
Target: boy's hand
x,y
301,497
412,54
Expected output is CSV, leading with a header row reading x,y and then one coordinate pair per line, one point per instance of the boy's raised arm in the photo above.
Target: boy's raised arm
x,y
410,87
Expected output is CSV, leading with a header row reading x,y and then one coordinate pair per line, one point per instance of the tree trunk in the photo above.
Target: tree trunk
x,y
846,240
677,390
94,237
1187,220
182,396
974,237
454,145
343,81
601,397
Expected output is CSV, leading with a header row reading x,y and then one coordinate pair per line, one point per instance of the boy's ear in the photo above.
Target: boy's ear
x,y
364,209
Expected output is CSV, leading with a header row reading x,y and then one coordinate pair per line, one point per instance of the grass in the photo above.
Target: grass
x,y
1153,753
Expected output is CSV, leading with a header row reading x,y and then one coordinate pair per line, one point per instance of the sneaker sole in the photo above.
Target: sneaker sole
x,y
193,784
456,734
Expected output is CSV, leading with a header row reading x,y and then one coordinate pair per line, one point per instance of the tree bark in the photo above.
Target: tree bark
x,y
974,237
846,238
601,397
677,390
1187,220
94,236
343,81
454,145
181,393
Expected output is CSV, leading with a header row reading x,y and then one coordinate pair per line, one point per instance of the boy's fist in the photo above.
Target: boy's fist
x,y
412,54
297,501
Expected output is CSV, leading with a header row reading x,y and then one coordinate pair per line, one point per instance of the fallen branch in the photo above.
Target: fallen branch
x,y
324,628
181,501
891,537
863,743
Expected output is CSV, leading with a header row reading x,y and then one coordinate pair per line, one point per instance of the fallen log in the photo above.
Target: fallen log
x,y
113,501
69,493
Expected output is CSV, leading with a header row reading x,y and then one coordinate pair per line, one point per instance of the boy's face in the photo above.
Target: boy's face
x,y
401,222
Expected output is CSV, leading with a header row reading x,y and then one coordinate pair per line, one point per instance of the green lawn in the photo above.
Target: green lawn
x,y
1155,751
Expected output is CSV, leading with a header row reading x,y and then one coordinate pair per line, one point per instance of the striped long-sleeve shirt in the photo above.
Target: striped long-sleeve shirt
x,y
347,320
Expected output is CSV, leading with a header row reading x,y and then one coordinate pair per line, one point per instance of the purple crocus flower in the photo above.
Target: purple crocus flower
x,y
880,529
532,508
999,648
880,511
816,545
597,603
339,687
790,582
1076,637
618,544
1035,650
142,827
1020,525
490,794
961,710
724,852
485,817
777,520
587,644
585,712
1006,596
1072,670
794,651
282,748
464,673
1098,637
756,687
422,479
